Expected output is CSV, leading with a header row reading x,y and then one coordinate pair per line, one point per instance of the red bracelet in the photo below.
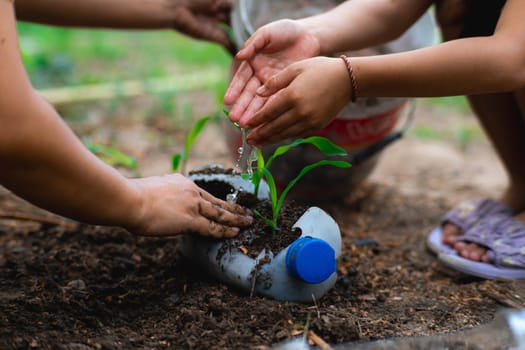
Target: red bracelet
x,y
353,83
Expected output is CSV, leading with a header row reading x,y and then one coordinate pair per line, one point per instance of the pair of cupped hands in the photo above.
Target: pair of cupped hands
x,y
282,88
278,91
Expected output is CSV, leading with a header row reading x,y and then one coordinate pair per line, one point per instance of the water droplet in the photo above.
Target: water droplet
x,y
247,155
252,157
232,197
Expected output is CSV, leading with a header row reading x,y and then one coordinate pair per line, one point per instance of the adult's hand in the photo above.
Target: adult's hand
x,y
269,50
200,19
173,204
450,15
203,19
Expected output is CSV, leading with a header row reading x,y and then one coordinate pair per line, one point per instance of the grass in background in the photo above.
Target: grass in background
x,y
58,56
463,133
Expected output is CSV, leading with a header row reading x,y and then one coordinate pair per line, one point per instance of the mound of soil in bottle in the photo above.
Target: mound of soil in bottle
x,y
259,236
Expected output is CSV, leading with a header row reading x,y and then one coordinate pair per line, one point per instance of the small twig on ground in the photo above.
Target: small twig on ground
x,y
38,219
317,340
503,300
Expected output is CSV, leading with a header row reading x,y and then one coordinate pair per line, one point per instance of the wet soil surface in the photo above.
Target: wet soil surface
x,y
65,285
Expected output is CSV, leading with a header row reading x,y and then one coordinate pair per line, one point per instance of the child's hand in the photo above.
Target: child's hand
x,y
269,50
303,98
173,204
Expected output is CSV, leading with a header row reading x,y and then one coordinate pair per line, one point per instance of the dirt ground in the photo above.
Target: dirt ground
x,y
65,285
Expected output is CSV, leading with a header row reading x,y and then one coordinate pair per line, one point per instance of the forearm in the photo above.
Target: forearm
x,y
359,24
125,14
42,161
460,67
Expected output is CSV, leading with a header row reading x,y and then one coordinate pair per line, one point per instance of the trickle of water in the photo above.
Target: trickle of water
x,y
247,155
252,157
232,197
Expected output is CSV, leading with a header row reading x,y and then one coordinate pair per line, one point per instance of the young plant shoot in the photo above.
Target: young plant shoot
x,y
113,156
262,172
180,159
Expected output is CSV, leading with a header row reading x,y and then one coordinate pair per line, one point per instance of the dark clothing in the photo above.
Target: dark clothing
x,y
481,17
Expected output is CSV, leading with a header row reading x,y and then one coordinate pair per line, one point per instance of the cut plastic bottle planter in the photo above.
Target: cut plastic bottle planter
x,y
302,272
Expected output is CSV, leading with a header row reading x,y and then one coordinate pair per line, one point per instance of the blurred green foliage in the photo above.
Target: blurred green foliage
x,y
112,156
426,132
59,56
455,102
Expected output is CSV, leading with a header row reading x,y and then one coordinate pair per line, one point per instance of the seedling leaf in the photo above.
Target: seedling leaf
x,y
304,171
175,161
267,221
113,156
273,188
180,159
321,143
195,131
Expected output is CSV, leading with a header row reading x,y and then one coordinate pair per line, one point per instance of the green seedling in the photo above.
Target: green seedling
x,y
179,160
262,172
112,156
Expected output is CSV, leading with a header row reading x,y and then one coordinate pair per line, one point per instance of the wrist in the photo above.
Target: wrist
x,y
351,77
314,30
133,217
156,14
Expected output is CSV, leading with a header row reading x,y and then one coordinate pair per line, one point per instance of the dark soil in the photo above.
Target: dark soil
x,y
65,285
259,236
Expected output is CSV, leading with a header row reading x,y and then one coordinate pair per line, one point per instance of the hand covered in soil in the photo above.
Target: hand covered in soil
x,y
269,50
203,19
173,204
302,98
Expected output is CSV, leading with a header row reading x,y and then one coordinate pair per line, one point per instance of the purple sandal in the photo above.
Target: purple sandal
x,y
466,215
489,224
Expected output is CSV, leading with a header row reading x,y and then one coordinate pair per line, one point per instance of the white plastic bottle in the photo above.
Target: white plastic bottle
x,y
303,272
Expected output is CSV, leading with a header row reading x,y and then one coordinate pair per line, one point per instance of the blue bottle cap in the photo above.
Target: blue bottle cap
x,y
311,260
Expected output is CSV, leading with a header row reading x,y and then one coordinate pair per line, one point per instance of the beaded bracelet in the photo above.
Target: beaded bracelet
x,y
353,83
